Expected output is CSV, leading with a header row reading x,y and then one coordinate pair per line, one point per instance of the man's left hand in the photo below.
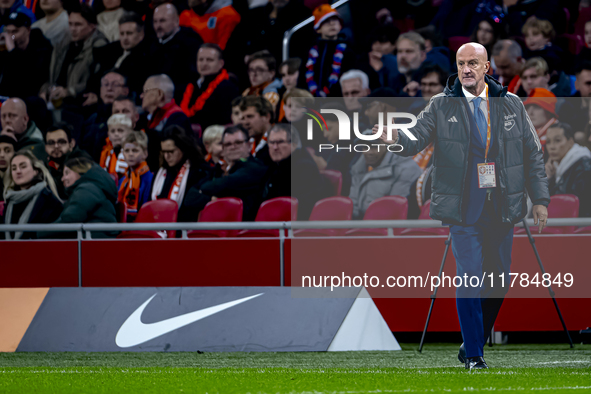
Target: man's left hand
x,y
540,217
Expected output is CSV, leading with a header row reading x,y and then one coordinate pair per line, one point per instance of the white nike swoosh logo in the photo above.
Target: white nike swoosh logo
x,y
133,332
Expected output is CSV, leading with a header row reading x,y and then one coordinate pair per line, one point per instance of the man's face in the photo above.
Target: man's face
x,y
134,155
112,4
165,21
330,28
14,118
373,157
151,97
539,117
531,79
259,73
385,48
557,144
129,36
235,147
290,81
126,107
208,62
6,153
57,144
332,133
430,85
113,86
172,153
535,40
506,67
409,56
472,65
588,34
583,83
280,3
280,146
117,134
80,29
50,6
21,35
236,115
352,90
254,122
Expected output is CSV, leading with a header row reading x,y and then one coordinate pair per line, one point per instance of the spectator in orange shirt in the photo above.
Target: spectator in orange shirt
x,y
213,20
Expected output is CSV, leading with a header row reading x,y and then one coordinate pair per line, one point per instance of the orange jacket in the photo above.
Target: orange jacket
x,y
214,27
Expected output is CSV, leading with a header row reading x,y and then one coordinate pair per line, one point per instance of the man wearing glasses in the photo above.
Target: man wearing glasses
x,y
243,177
59,146
261,73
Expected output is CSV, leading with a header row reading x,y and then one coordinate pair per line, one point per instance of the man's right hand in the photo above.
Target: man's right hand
x,y
384,136
550,169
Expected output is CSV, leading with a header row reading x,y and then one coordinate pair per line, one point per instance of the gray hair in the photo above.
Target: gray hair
x,y
511,47
354,74
165,84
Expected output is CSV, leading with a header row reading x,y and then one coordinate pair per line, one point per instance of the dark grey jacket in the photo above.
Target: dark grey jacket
x,y
519,161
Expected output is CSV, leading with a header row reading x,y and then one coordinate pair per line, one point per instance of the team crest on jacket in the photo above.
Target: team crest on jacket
x,y
211,22
509,124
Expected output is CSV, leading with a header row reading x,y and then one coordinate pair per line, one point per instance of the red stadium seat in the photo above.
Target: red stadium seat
x,y
584,17
1,208
336,180
280,209
426,231
384,208
331,208
583,230
561,206
121,210
157,211
227,209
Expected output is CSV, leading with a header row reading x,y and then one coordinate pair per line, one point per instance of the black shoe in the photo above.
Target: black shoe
x,y
475,363
462,354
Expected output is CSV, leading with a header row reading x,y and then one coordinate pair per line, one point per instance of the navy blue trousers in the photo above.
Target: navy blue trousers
x,y
484,247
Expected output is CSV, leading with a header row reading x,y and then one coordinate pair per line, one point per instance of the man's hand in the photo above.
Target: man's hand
x,y
550,169
91,99
9,131
384,134
540,215
411,88
57,93
375,60
9,41
319,160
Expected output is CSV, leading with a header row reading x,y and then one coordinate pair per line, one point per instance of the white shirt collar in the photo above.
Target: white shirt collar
x,y
470,96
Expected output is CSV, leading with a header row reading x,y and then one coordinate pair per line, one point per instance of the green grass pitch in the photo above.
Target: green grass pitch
x,y
519,368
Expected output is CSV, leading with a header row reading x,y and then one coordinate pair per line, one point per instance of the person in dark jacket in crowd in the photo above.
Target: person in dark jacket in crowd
x,y
60,146
293,172
9,7
24,66
7,144
242,177
15,122
30,195
161,112
481,201
128,55
330,57
569,166
174,53
208,101
182,168
92,195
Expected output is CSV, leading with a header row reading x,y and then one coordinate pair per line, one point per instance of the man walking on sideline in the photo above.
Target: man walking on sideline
x,y
487,159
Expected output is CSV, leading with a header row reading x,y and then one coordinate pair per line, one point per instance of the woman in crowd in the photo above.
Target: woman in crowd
x,y
487,33
182,165
92,195
30,194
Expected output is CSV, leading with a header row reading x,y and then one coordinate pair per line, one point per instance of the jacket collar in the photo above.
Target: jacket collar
x,y
453,87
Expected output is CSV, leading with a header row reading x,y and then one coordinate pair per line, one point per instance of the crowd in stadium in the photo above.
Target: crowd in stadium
x,y
110,101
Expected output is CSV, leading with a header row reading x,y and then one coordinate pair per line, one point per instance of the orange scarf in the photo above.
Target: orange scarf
x,y
200,102
211,163
130,188
114,164
422,158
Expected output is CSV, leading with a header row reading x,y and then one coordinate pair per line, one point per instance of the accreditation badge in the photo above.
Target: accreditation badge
x,y
486,175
